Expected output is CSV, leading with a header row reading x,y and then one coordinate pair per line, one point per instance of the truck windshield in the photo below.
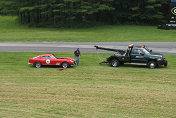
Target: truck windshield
x,y
145,51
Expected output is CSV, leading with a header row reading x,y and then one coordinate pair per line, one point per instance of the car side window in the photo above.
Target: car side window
x,y
140,51
135,51
46,57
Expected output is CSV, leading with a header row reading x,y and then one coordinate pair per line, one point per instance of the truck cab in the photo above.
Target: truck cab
x,y
137,55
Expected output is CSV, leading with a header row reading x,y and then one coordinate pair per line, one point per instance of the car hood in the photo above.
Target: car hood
x,y
65,58
155,55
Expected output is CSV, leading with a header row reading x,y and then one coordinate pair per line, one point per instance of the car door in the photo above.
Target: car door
x,y
54,61
46,60
137,56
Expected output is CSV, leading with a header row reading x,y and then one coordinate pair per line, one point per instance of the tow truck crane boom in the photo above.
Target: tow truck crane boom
x,y
109,49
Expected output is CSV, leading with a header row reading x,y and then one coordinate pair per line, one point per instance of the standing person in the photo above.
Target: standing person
x,y
77,54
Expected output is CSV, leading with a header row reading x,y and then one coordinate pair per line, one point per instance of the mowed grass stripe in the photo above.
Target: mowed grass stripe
x,y
88,90
12,31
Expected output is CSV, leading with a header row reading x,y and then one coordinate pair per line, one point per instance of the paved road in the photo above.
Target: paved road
x,y
162,47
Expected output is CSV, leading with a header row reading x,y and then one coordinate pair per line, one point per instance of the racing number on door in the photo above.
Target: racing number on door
x,y
48,61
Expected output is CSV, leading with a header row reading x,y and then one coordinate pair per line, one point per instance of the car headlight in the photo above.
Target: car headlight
x,y
72,60
159,59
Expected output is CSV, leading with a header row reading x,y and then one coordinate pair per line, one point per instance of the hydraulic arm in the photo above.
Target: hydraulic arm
x,y
109,49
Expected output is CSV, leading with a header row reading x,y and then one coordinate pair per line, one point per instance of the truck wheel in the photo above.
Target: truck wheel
x,y
115,63
64,65
152,64
37,64
165,64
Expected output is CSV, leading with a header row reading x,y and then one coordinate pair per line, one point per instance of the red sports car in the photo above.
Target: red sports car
x,y
51,59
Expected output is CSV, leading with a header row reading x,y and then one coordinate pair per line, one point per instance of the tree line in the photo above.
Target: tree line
x,y
8,7
69,12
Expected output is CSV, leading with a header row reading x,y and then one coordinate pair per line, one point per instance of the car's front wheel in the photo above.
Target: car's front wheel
x,y
152,64
65,65
37,64
165,64
115,63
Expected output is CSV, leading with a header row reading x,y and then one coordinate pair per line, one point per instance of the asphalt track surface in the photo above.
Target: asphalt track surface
x,y
88,47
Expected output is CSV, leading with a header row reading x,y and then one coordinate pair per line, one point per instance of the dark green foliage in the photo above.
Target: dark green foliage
x,y
71,13
8,7
57,12
142,11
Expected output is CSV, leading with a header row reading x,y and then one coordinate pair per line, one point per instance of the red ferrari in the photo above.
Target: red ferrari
x,y
51,59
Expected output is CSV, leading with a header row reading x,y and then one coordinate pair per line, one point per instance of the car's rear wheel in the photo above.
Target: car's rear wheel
x,y
152,64
37,64
115,63
65,65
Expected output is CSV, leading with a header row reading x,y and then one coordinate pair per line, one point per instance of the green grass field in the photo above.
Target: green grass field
x,y
88,90
11,31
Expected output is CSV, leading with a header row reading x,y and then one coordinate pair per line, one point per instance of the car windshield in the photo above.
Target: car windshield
x,y
53,56
145,51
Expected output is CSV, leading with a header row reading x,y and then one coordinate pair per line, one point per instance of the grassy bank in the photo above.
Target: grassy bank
x,y
88,90
11,31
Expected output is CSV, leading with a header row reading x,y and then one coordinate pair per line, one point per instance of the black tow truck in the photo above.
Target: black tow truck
x,y
135,55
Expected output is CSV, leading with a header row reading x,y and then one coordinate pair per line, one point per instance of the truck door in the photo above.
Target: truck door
x,y
137,56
